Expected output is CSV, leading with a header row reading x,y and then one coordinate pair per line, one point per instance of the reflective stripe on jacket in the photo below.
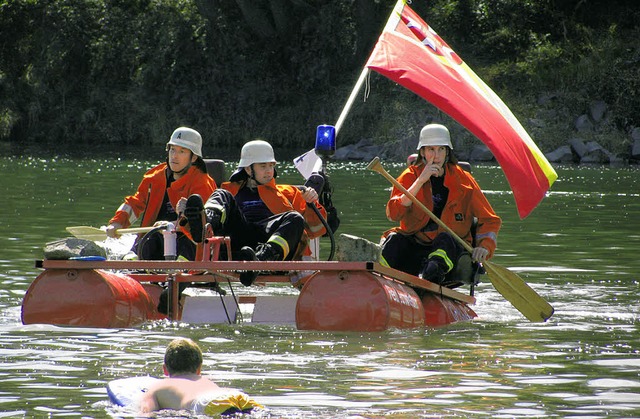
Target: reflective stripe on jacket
x,y
465,202
152,188
283,198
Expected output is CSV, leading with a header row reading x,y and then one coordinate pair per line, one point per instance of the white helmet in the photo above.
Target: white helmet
x,y
187,138
434,135
257,151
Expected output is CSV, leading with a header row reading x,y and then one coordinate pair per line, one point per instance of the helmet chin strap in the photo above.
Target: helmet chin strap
x,y
185,170
252,175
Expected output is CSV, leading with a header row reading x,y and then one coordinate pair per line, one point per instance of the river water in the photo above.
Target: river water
x,y
578,250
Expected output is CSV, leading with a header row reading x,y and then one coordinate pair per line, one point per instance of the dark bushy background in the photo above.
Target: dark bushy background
x,y
113,74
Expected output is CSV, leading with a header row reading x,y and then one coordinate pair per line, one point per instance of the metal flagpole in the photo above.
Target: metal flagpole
x,y
391,23
352,98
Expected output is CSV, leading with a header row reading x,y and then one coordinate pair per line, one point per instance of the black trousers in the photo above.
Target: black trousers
x,y
153,247
406,254
288,225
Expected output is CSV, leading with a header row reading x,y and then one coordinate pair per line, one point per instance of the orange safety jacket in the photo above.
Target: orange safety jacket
x,y
283,198
150,194
465,201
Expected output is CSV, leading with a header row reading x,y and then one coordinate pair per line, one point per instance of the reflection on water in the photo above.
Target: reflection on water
x,y
577,249
464,369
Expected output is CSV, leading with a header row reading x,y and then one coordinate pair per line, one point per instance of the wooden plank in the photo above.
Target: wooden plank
x,y
422,283
180,269
207,266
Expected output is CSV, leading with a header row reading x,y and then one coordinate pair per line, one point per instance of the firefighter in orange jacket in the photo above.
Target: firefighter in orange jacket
x,y
163,191
419,246
265,221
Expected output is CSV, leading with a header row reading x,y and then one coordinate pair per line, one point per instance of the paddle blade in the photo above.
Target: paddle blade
x,y
518,293
96,234
87,233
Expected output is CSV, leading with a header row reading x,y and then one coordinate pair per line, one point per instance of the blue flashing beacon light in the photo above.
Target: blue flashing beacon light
x,y
325,140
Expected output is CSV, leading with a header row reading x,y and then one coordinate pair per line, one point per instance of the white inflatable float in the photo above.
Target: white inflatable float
x,y
125,392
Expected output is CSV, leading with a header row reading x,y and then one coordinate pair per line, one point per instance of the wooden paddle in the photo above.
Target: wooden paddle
x,y
96,234
511,286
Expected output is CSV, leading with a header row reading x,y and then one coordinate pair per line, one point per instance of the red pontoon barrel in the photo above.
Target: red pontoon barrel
x,y
357,301
87,297
368,302
441,311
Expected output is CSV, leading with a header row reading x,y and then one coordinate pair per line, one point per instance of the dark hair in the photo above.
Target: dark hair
x,y
240,175
182,356
451,158
199,163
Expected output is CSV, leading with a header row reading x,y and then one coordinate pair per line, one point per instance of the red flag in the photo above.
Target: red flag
x,y
412,54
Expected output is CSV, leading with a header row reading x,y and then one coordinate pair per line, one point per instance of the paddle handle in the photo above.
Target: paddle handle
x,y
134,230
376,166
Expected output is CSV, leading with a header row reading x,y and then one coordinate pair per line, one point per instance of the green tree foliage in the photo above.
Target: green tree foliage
x,y
127,72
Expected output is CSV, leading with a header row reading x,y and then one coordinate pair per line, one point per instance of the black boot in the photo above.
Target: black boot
x,y
268,251
434,270
214,218
247,278
194,212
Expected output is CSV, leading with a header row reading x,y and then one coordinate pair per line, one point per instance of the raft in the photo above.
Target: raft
x,y
336,296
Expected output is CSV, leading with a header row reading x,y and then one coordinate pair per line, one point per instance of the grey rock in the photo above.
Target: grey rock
x,y
615,160
593,146
351,248
595,154
72,247
635,149
598,110
342,152
364,150
364,142
365,153
562,154
577,145
481,153
583,123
